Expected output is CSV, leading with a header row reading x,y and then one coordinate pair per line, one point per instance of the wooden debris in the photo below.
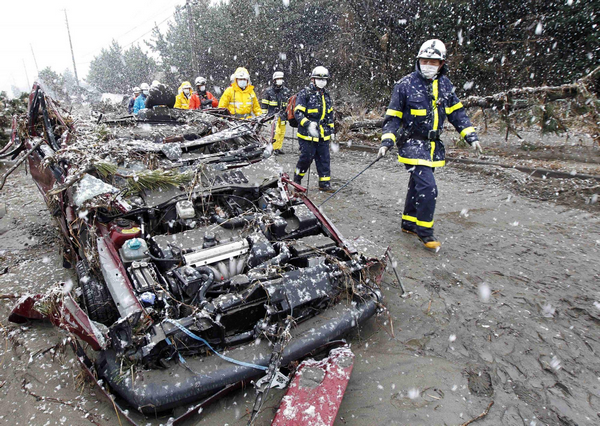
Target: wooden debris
x,y
479,417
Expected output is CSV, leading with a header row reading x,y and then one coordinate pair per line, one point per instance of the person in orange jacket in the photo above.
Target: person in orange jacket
x,y
202,99
239,98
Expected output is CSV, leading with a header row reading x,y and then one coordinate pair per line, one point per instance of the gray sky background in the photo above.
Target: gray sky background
x,y
93,24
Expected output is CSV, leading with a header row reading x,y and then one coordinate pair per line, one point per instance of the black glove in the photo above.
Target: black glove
x,y
206,102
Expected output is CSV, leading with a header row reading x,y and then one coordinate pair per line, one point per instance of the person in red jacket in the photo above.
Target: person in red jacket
x,y
201,99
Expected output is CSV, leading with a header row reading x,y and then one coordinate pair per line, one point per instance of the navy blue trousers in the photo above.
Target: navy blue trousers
x,y
419,206
318,151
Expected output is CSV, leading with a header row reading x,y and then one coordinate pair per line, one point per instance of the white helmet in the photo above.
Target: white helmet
x,y
136,89
200,81
155,83
144,86
432,49
277,75
242,73
320,72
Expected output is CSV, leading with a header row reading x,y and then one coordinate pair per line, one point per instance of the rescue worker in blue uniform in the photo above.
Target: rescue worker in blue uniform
x,y
420,103
274,102
314,114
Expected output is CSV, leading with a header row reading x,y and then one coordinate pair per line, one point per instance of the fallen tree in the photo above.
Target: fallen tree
x,y
527,97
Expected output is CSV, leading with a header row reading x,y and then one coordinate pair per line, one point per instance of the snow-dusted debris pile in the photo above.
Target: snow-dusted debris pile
x,y
186,244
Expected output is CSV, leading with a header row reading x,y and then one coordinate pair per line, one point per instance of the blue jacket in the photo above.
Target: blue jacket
x,y
420,106
314,104
140,103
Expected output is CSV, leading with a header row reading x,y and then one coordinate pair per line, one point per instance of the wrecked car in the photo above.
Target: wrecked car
x,y
196,257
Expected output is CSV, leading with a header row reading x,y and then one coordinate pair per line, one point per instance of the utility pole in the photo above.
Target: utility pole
x,y
37,70
195,62
71,43
26,75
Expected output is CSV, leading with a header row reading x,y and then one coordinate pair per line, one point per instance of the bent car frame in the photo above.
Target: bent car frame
x,y
199,264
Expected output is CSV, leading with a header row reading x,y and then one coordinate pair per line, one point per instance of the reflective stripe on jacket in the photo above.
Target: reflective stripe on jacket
x,y
314,104
420,106
241,103
275,99
196,100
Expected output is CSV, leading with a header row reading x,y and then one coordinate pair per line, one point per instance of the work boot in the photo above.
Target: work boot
x,y
278,152
431,243
407,229
326,187
298,179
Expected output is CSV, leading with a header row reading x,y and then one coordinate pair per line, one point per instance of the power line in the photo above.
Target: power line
x,y
95,51
151,29
146,21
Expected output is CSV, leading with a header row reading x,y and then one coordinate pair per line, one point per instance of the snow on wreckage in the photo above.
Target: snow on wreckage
x,y
197,259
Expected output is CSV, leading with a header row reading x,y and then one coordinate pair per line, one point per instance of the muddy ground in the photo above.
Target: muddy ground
x,y
508,311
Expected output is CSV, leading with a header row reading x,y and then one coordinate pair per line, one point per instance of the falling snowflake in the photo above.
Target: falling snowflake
x,y
414,393
555,363
539,28
484,292
464,212
452,337
548,311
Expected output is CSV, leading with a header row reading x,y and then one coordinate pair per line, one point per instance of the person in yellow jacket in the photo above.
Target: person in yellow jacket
x,y
182,101
239,98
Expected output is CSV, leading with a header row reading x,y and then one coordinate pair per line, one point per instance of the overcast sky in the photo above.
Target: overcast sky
x,y
94,24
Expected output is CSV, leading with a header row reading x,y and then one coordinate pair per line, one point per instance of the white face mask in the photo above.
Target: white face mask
x,y
320,82
202,88
242,84
146,92
279,82
429,71
187,92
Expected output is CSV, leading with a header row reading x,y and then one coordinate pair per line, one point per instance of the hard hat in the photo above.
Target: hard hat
x,y
200,80
186,85
277,75
144,86
433,49
242,73
155,83
320,72
136,89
